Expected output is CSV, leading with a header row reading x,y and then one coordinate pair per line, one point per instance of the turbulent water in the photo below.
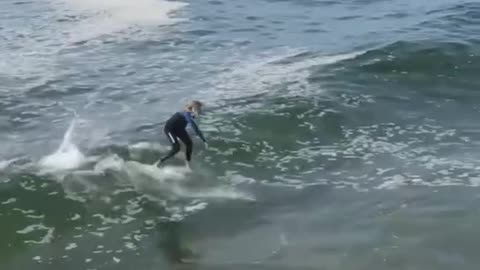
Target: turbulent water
x,y
342,134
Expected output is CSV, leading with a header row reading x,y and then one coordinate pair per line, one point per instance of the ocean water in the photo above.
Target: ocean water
x,y
342,134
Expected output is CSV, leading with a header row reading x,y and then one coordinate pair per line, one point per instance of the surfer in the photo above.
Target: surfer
x,y
175,129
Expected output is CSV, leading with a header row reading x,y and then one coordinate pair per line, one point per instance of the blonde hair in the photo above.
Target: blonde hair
x,y
194,105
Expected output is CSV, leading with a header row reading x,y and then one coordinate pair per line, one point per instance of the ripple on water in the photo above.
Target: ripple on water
x,y
215,2
315,31
36,229
201,32
71,246
9,201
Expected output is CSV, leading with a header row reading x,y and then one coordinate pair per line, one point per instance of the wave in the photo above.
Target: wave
x,y
83,173
419,57
284,70
461,14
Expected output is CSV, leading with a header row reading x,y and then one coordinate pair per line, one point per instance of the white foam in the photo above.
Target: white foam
x,y
133,208
110,16
99,234
162,174
258,74
66,157
172,181
6,163
143,12
47,238
127,219
215,193
9,201
148,146
240,179
474,181
106,220
196,207
113,162
32,228
25,212
103,229
71,246
35,216
130,245
396,182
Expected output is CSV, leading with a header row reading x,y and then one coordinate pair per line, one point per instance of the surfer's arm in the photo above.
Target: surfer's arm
x,y
196,129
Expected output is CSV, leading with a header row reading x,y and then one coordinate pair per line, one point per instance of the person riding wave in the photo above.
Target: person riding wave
x,y
175,129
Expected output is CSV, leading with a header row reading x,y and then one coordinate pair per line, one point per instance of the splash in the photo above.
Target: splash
x,y
67,157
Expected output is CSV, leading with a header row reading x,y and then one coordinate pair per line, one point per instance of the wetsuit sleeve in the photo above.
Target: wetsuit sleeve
x,y
195,128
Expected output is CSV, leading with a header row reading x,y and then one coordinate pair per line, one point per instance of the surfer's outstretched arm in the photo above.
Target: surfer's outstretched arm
x,y
195,128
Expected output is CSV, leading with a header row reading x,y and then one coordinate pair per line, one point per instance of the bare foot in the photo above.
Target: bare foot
x,y
187,165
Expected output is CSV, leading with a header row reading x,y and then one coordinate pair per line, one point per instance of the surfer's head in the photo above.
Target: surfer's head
x,y
195,107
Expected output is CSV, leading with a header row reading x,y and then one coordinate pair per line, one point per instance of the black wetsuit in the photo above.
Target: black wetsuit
x,y
175,129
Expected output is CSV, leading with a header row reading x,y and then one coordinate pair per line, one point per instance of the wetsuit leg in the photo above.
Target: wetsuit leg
x,y
185,138
172,137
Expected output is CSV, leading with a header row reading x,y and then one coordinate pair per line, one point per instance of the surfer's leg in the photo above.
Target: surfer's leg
x,y
185,138
175,145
